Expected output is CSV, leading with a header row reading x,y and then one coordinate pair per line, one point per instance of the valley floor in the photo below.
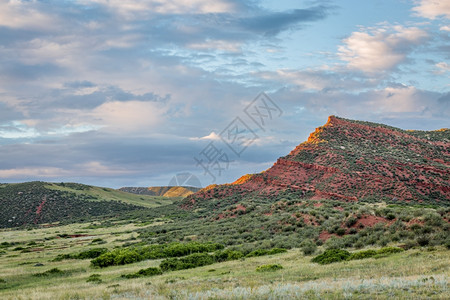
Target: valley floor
x,y
420,273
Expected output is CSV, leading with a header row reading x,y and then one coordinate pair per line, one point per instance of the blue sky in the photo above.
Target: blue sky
x,y
130,93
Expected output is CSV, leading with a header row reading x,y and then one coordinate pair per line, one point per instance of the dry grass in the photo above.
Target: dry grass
x,y
412,274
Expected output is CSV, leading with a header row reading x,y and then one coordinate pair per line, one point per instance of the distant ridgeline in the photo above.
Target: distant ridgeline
x,y
166,191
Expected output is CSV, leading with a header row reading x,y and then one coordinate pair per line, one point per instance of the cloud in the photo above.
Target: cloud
x,y
210,137
445,28
432,9
380,49
216,45
135,8
19,14
19,173
274,23
320,79
126,117
443,67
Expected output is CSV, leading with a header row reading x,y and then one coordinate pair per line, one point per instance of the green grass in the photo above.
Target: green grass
x,y
416,273
100,193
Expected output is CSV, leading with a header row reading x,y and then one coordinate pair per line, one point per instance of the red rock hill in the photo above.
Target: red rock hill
x,y
354,160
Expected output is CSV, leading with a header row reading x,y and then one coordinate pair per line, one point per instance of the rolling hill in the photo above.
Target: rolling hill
x,y
40,202
164,191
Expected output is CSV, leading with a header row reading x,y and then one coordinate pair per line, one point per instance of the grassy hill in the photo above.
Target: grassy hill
x,y
101,193
39,202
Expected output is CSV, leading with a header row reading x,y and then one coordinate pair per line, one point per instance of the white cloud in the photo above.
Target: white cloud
x,y
432,8
127,117
25,15
398,100
445,28
216,45
380,49
40,172
91,168
133,8
442,67
212,137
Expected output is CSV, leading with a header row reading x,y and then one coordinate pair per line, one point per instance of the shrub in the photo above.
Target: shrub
x,y
171,264
363,254
51,272
351,221
144,272
331,256
227,254
259,252
423,240
187,262
390,250
276,251
104,260
125,257
91,253
269,268
447,244
94,278
340,231
308,247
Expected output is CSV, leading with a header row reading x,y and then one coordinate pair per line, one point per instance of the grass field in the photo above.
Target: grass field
x,y
420,273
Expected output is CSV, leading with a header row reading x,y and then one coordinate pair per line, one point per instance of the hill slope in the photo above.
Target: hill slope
x,y
165,191
40,202
351,184
353,160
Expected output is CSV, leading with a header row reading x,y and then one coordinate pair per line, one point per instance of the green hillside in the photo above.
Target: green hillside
x,y
31,203
101,193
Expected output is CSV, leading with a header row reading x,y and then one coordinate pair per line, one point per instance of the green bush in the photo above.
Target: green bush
x,y
226,255
308,247
104,260
132,255
144,273
331,256
125,256
188,262
91,253
94,278
171,264
390,250
363,254
259,252
423,240
51,272
274,251
269,268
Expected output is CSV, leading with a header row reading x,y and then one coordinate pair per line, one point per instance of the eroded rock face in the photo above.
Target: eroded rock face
x,y
352,160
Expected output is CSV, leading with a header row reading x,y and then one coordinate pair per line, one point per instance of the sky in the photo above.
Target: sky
x,y
137,93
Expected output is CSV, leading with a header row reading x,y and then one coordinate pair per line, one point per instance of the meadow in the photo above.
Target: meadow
x,y
30,271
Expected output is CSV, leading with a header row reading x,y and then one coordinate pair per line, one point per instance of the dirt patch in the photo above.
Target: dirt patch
x,y
370,221
325,235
